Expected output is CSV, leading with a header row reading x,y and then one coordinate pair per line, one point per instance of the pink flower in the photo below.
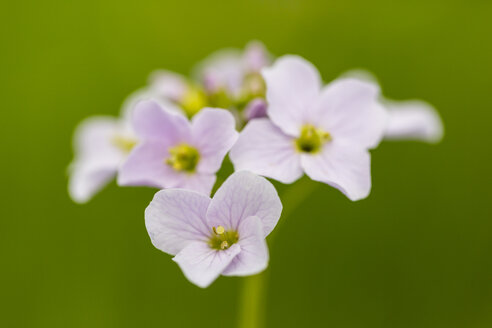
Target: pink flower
x,y
325,132
224,235
174,152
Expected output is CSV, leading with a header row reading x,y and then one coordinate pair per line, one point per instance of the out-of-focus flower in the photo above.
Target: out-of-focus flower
x,y
413,120
224,235
174,152
101,144
172,90
324,132
231,77
408,119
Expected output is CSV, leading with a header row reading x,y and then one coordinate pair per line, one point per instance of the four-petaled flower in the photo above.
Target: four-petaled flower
x,y
224,235
174,152
324,132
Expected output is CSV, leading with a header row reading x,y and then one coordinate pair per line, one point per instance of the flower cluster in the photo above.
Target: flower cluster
x,y
174,133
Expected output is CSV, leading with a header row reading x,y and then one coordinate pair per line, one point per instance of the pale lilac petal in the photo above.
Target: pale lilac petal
x,y
350,111
96,157
202,183
361,74
94,138
242,195
413,120
256,56
213,133
168,85
264,149
146,94
222,70
151,121
146,166
86,179
343,166
293,85
202,264
256,108
175,218
253,257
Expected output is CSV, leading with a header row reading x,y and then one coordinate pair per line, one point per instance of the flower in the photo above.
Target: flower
x,y
408,119
101,144
174,152
232,79
171,90
324,132
224,235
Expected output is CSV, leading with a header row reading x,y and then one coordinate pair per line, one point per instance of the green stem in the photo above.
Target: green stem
x,y
253,296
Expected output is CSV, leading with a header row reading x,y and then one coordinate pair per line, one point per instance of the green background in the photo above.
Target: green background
x,y
416,253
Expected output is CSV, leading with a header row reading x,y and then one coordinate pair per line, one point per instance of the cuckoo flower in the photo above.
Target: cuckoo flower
x,y
325,132
408,119
224,235
101,144
172,90
177,153
232,79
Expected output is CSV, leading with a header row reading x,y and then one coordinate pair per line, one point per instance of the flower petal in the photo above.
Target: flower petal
x,y
213,133
349,109
168,85
176,218
343,166
87,178
264,149
413,120
202,183
242,195
202,264
96,157
146,166
293,84
256,56
253,257
151,121
256,108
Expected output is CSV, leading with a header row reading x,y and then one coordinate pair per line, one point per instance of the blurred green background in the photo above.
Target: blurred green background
x,y
416,253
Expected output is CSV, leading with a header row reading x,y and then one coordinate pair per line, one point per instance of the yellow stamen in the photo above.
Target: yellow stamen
x,y
224,245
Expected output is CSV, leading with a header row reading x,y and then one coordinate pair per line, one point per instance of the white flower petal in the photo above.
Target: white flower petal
x,y
202,183
242,195
349,110
86,179
213,133
413,120
202,264
96,157
343,166
293,85
175,218
253,257
264,149
168,85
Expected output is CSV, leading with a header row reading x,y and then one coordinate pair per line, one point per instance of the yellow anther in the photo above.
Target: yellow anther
x,y
224,244
219,230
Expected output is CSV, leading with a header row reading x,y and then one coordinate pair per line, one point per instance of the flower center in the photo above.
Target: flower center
x,y
183,158
253,87
125,144
193,100
222,239
311,139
